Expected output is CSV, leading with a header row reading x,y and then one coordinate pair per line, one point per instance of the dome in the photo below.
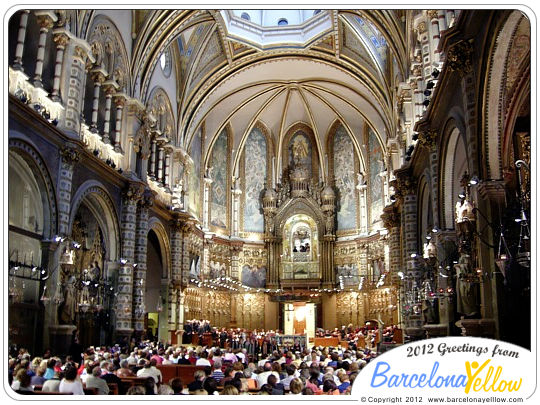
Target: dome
x,y
328,192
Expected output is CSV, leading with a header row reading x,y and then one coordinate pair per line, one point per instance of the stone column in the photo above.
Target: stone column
x,y
153,159
109,87
160,162
413,323
21,35
69,156
77,54
167,175
132,194
176,273
391,218
98,76
139,269
61,39
119,101
45,21
441,15
435,33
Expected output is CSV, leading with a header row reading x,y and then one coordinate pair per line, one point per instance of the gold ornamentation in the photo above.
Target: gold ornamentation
x,y
459,57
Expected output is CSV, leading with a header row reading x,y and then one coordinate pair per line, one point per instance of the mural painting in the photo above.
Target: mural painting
x,y
254,276
218,197
255,180
376,166
345,180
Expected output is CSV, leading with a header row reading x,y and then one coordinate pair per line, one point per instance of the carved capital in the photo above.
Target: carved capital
x,y
70,155
421,27
98,76
428,139
459,57
45,21
433,14
147,199
391,217
133,192
110,87
61,39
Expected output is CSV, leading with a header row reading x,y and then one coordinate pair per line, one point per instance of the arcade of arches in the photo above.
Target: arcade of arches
x,y
270,169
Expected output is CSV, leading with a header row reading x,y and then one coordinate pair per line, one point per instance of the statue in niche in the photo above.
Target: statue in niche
x,y
466,291
66,310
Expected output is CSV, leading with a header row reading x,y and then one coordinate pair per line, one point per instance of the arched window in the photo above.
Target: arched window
x,y
246,16
165,62
283,21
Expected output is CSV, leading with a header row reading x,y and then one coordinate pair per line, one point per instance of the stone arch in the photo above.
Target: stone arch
x,y
295,206
29,152
154,224
454,163
330,146
317,163
494,98
99,202
110,51
159,105
425,208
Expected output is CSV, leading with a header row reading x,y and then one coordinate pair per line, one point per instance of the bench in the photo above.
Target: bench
x,y
185,372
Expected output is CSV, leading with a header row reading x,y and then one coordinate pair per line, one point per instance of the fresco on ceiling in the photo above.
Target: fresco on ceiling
x,y
218,196
348,275
254,180
254,276
374,40
344,175
376,166
194,189
300,150
187,49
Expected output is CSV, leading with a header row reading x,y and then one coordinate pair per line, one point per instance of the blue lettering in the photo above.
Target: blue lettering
x,y
422,381
461,381
433,372
413,377
381,374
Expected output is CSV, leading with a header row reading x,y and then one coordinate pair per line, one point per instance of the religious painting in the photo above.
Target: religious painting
x,y
344,174
300,151
194,175
254,180
218,194
253,276
376,166
217,270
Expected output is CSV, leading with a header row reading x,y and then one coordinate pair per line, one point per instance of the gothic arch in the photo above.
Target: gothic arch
x,y
494,99
109,50
99,202
26,150
295,206
317,163
330,146
159,105
154,224
454,162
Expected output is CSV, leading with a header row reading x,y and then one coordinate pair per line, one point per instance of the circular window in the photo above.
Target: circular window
x,y
165,62
282,21
246,16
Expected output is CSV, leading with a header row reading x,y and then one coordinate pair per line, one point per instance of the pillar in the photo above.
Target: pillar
x,y
61,39
139,269
206,201
153,159
98,76
45,21
435,33
109,88
21,35
236,193
69,157
76,55
167,174
362,191
128,228
119,102
160,163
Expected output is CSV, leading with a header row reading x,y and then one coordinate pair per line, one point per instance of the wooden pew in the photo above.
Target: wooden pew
x,y
113,388
185,372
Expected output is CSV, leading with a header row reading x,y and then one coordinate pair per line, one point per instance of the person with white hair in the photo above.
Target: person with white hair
x,y
94,380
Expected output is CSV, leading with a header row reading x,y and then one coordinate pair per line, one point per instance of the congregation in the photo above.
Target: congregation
x,y
145,367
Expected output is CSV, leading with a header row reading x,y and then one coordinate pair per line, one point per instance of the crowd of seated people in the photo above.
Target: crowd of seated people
x,y
283,371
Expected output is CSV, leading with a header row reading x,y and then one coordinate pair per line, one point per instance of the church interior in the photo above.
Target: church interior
x,y
293,171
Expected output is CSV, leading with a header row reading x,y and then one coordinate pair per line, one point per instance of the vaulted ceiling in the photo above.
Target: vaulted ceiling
x,y
345,74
